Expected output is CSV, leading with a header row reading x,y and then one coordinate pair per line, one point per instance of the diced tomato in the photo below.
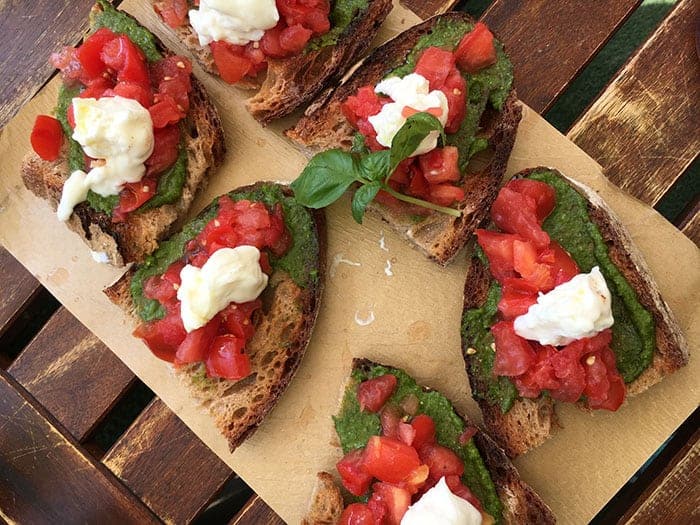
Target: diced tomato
x,y
163,288
230,62
424,427
47,137
406,433
445,194
515,212
171,66
236,317
195,346
569,372
455,90
373,393
389,459
294,38
441,461
270,42
165,149
164,112
517,295
177,87
468,433
226,358
498,248
354,477
137,92
357,514
476,50
418,186
435,64
163,336
616,386
88,54
362,105
514,355
565,268
390,417
454,483
540,376
395,499
173,12
525,263
542,193
123,56
440,165
133,196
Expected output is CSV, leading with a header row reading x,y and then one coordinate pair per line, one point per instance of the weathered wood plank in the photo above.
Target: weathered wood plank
x,y
18,288
46,478
31,32
675,494
550,42
690,223
256,512
166,465
427,8
644,128
66,358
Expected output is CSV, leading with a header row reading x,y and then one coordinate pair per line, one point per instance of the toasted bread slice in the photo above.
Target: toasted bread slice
x,y
282,332
521,504
439,236
531,421
291,82
137,236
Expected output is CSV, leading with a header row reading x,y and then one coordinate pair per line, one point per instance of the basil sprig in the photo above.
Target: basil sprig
x,y
329,174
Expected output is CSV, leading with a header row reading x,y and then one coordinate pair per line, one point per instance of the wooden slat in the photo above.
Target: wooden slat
x,y
31,32
66,358
644,129
256,512
690,223
18,288
675,494
550,42
166,465
46,478
427,8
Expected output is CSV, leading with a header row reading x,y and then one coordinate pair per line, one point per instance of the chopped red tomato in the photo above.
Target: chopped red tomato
x,y
440,165
498,248
441,461
352,473
614,396
165,111
525,263
514,355
515,212
468,433
406,433
163,336
165,150
394,499
230,62
47,137
389,459
454,483
124,57
455,90
445,194
517,295
226,358
540,376
294,38
357,514
237,318
565,268
542,193
163,288
173,12
137,92
435,64
424,428
373,393
363,104
476,50
89,53
132,196
195,346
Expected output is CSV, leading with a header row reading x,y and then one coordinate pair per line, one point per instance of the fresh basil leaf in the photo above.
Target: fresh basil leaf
x,y
363,196
375,166
411,134
359,144
326,177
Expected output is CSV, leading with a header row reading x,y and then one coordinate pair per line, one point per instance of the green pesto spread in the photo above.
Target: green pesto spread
x,y
490,85
342,13
300,262
355,427
171,182
569,224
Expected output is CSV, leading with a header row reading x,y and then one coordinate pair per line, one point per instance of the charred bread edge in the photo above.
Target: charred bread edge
x,y
672,351
324,127
521,504
129,241
120,294
280,93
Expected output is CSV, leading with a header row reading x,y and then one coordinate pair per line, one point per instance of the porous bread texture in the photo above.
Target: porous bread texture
x,y
137,236
282,331
521,504
438,236
532,421
291,82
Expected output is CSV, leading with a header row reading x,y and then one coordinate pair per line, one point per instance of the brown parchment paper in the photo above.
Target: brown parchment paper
x,y
383,301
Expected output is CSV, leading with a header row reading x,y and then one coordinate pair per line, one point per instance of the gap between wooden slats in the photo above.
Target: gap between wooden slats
x,y
65,358
46,477
644,128
551,42
166,465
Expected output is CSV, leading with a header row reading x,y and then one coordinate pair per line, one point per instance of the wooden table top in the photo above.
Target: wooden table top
x,y
54,468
